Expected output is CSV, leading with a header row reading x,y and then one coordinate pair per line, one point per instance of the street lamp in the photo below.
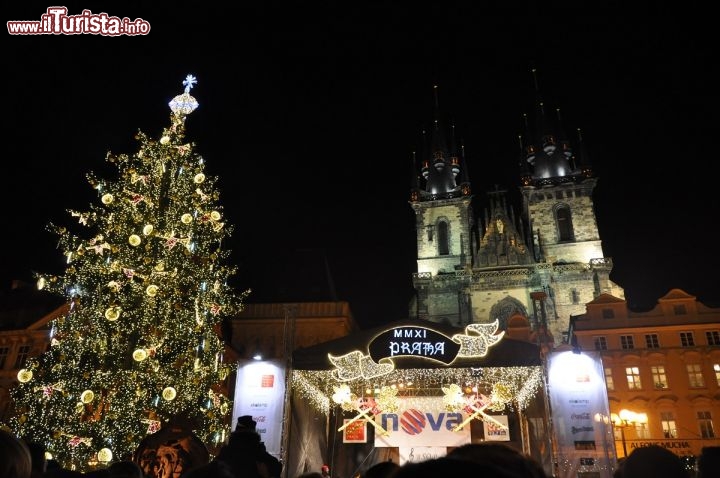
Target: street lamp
x,y
627,418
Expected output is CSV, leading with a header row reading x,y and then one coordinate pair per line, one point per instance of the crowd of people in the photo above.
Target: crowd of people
x,y
245,456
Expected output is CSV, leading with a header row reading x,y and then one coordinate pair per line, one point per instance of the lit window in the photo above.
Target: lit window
x,y
633,378
642,430
651,341
687,339
600,343
695,376
659,377
716,369
609,382
669,427
626,342
705,424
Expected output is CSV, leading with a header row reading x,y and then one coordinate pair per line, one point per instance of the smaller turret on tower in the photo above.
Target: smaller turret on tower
x,y
547,156
442,168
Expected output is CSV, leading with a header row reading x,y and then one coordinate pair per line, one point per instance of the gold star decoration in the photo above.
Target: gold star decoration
x,y
349,401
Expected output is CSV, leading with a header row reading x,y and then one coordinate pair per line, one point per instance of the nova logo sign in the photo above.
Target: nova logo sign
x,y
414,421
422,421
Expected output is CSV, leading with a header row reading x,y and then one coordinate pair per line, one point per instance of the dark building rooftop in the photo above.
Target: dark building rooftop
x,y
22,304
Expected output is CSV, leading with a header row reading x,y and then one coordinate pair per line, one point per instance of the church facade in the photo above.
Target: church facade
x,y
537,266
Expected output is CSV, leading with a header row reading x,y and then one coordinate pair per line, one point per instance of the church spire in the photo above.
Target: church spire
x,y
583,159
443,168
549,157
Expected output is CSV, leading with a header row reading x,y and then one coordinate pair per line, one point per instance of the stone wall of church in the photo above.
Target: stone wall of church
x,y
543,216
444,307
483,301
570,252
427,218
541,208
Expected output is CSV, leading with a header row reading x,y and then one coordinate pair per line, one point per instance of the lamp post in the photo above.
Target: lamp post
x,y
627,418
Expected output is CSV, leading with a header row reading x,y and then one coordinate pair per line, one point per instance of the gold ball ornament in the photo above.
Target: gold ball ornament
x,y
169,393
148,229
87,396
186,218
165,140
24,375
139,355
104,455
199,178
215,216
107,198
151,290
112,313
134,240
79,407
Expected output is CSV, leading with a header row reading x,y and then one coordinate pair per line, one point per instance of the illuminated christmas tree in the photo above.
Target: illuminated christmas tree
x,y
147,290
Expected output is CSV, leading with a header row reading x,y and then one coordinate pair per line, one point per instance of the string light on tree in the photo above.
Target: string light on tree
x,y
123,359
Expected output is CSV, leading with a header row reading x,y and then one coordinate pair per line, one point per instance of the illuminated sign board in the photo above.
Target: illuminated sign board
x,y
413,342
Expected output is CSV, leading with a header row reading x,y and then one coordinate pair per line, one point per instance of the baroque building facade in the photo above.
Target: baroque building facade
x,y
543,263
25,315
661,365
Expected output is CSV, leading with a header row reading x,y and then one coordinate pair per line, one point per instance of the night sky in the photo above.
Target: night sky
x,y
309,116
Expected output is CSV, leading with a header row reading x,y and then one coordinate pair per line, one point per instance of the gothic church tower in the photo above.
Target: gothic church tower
x,y
444,221
534,270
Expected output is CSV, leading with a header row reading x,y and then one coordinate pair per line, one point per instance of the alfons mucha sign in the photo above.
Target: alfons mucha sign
x,y
670,445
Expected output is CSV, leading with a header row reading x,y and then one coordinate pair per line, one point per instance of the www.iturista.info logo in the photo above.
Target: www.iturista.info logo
x,y
56,21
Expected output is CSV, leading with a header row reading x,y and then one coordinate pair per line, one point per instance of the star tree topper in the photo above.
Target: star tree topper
x,y
184,104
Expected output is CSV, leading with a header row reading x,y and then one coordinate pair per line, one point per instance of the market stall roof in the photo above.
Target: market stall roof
x,y
505,353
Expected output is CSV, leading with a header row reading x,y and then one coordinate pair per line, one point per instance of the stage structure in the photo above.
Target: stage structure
x,y
412,390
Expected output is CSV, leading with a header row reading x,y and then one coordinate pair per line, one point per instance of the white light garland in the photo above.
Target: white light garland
x,y
522,383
